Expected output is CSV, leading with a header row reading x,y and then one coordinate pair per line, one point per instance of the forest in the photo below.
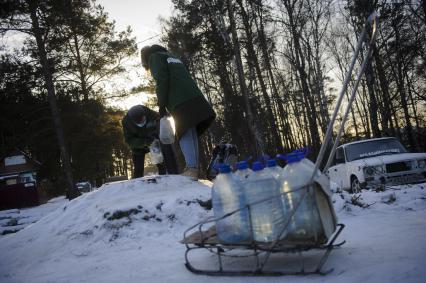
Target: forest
x,y
271,69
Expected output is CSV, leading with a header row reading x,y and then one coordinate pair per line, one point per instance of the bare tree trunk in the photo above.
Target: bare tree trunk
x,y
366,112
384,86
285,129
71,190
272,125
369,76
84,89
234,121
319,10
401,89
413,103
303,77
260,147
289,135
325,118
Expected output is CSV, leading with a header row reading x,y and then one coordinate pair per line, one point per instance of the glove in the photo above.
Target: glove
x,y
162,111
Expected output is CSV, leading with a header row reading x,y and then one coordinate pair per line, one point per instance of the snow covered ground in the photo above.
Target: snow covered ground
x,y
130,231
14,220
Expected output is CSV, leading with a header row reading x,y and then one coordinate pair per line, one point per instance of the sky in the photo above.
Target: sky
x,y
143,17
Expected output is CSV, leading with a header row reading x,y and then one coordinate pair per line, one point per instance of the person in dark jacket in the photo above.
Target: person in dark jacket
x,y
140,127
178,94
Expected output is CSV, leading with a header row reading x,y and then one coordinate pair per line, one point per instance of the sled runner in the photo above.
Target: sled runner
x,y
285,255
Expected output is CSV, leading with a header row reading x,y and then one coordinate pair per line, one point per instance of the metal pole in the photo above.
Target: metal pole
x,y
371,21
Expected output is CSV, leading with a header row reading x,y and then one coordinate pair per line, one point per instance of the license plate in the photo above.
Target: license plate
x,y
405,179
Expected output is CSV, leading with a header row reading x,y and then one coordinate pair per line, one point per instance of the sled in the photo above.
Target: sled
x,y
206,254
251,258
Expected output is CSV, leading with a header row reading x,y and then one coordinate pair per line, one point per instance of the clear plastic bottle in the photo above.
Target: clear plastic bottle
x,y
304,160
311,199
296,175
266,216
277,173
228,196
273,169
243,171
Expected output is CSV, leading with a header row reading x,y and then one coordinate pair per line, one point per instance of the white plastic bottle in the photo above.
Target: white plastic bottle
x,y
228,196
243,171
266,211
155,152
296,175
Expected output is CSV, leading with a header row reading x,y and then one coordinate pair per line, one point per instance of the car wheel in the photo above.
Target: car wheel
x,y
355,185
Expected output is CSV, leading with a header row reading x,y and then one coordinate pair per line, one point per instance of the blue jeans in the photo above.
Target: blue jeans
x,y
189,146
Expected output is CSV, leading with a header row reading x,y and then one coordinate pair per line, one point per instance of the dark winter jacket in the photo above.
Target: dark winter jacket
x,y
140,138
179,94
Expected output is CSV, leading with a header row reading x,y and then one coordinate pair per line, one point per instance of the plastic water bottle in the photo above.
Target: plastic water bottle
x,y
228,196
273,169
155,152
305,161
167,130
243,171
296,175
278,173
266,211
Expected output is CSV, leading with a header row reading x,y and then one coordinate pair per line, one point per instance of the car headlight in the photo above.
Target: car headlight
x,y
421,164
373,170
379,169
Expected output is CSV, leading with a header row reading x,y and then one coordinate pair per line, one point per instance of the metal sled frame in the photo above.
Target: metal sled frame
x,y
195,238
220,250
206,240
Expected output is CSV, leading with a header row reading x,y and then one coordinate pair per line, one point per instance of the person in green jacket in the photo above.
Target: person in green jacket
x,y
140,128
178,94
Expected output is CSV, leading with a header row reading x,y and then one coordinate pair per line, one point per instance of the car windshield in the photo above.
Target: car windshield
x,y
373,148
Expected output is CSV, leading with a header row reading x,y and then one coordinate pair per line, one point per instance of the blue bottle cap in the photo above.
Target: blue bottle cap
x,y
257,166
271,163
224,168
302,152
281,156
241,165
305,150
295,157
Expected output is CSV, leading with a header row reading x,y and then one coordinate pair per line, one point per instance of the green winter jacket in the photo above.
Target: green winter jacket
x,y
140,138
174,84
179,94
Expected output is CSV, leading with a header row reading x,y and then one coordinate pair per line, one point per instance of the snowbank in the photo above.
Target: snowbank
x,y
130,231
